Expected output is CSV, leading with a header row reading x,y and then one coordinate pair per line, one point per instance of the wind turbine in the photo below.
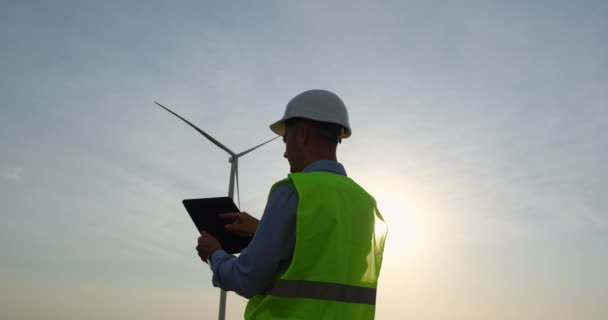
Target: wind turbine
x,y
234,176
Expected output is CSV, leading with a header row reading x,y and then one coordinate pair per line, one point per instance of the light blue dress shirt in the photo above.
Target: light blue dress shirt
x,y
271,248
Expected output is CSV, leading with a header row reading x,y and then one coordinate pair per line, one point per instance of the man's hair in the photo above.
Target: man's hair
x,y
327,131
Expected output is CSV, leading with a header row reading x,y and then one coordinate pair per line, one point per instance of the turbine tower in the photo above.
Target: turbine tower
x,y
234,177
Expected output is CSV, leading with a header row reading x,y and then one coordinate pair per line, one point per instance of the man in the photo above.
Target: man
x,y
317,251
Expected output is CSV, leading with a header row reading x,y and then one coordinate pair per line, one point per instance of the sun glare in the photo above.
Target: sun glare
x,y
400,222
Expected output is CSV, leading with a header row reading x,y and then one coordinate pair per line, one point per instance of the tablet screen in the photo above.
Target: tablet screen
x,y
205,215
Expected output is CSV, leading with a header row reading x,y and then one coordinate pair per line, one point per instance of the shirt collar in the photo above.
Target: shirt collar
x,y
326,165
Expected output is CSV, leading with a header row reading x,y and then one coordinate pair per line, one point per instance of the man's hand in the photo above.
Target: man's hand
x,y
243,224
207,244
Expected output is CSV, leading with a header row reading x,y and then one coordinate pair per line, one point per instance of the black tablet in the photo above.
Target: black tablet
x,y
205,215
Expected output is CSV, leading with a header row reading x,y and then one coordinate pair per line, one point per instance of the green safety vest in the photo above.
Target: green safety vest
x,y
337,255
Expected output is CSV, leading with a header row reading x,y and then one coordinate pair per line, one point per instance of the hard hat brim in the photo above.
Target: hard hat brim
x,y
279,128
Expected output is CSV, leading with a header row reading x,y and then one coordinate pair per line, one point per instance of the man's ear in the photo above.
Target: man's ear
x,y
305,133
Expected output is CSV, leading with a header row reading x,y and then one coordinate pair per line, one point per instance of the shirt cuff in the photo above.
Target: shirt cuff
x,y
215,260
216,256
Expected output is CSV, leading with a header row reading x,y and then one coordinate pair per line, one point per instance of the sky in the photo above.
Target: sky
x,y
479,126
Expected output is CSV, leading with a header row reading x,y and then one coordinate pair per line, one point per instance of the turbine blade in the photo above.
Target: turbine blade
x,y
249,150
217,143
238,191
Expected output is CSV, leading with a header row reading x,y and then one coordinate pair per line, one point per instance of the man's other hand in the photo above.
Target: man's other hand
x,y
207,244
243,224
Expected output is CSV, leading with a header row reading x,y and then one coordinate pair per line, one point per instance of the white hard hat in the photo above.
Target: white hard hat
x,y
318,105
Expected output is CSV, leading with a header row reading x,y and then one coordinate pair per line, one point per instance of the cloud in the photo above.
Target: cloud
x,y
12,174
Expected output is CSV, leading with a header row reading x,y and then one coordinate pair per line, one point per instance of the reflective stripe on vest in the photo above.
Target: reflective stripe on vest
x,y
323,291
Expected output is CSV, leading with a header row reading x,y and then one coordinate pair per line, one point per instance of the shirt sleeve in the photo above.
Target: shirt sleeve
x,y
272,245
